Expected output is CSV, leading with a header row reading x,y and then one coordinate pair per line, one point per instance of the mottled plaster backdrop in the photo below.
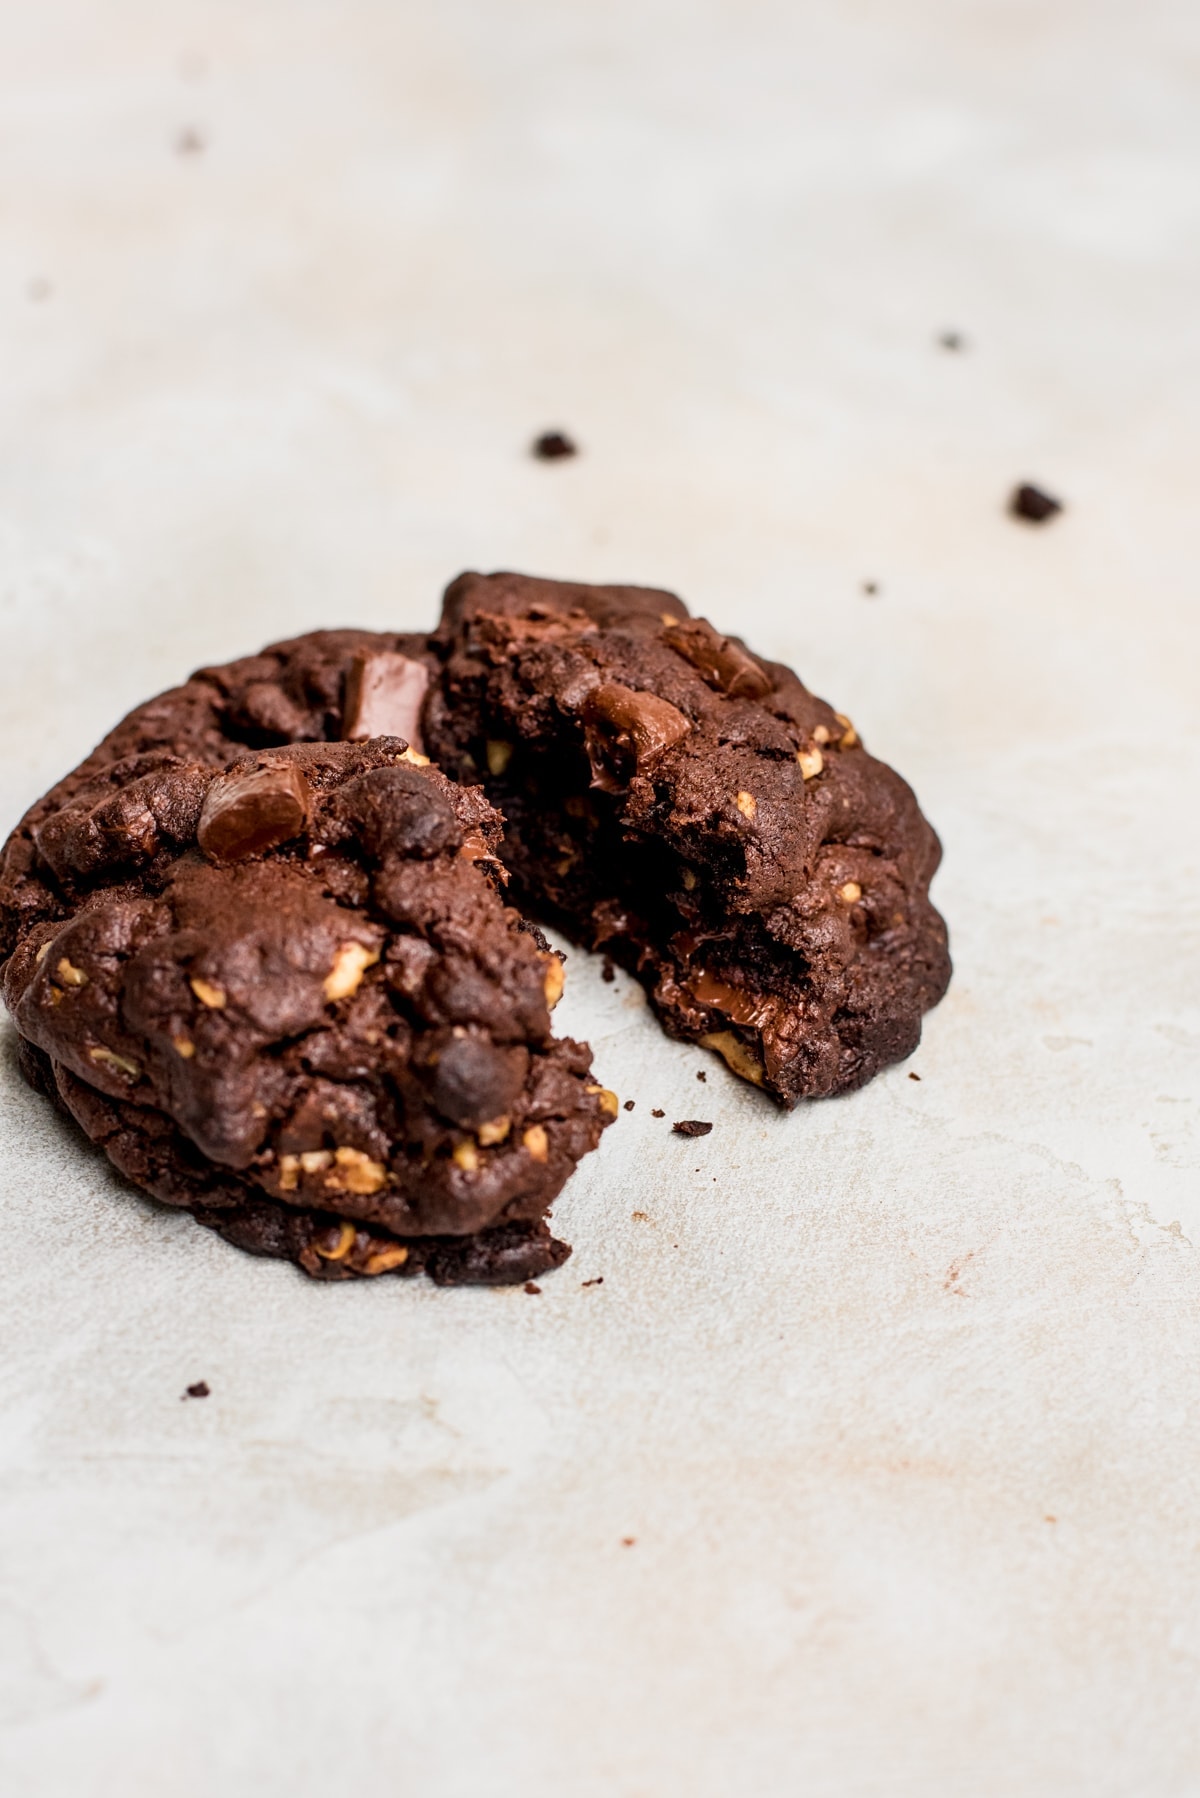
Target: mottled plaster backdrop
x,y
896,1399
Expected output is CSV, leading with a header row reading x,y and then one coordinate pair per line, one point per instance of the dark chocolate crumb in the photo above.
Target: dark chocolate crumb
x,y
608,972
598,1281
199,1390
552,446
914,1076
952,340
658,1114
629,1104
701,1075
532,1286
190,142
691,1127
1031,504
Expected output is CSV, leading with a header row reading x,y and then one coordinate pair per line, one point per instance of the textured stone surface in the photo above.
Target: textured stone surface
x,y
836,1381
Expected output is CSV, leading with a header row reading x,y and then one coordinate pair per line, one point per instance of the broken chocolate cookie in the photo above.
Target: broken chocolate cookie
x,y
695,813
282,990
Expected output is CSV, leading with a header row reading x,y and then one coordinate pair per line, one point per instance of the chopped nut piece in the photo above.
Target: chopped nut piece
x,y
349,965
811,762
466,1156
554,981
120,1063
850,892
248,812
494,1131
416,758
42,953
341,1244
184,1046
821,734
69,974
747,804
208,994
733,1050
315,1161
690,880
289,1173
355,1172
849,736
537,1142
609,1102
499,755
56,995
384,1260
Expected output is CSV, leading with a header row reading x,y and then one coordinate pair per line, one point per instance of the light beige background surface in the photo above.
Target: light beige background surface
x,y
899,1397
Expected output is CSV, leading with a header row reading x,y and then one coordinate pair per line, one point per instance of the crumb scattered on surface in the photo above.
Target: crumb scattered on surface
x,y
1032,504
199,1389
701,1075
691,1127
628,1541
532,1286
190,142
870,588
914,1076
608,972
658,1114
552,446
629,1104
952,340
598,1281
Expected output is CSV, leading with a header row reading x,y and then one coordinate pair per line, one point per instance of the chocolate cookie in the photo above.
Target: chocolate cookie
x,y
282,990
696,813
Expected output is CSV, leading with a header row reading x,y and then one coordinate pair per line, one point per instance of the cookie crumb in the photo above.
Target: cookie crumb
x,y
200,1389
701,1075
691,1127
629,1104
914,1076
532,1286
552,446
952,340
1030,503
658,1114
628,1541
598,1281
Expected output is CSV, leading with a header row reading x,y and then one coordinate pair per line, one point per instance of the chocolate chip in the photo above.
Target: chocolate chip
x,y
552,446
397,811
384,695
1033,505
625,731
723,663
691,1127
199,1390
246,813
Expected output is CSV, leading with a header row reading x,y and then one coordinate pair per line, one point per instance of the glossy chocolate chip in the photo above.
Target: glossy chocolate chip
x,y
247,812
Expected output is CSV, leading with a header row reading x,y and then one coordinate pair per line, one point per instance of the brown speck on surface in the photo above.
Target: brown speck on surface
x,y
629,1104
39,289
691,1127
640,1217
1031,504
553,446
952,340
914,1076
608,972
190,142
628,1541
870,588
658,1114
701,1075
1049,1519
598,1281
199,1389
532,1286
